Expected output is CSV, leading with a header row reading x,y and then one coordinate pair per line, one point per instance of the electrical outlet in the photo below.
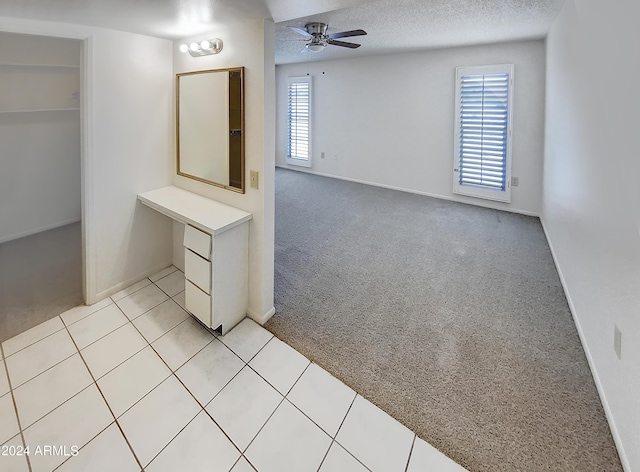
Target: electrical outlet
x,y
322,155
617,341
335,157
253,178
515,181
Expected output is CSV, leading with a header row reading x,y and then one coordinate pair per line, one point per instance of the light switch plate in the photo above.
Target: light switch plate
x,y
253,178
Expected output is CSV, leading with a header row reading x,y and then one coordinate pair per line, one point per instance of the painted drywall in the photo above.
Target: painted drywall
x,y
127,129
40,152
250,45
591,199
389,120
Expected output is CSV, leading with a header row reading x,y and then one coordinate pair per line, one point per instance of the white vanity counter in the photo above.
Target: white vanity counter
x,y
216,245
195,210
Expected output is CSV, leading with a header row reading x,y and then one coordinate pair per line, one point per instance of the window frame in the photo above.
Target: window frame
x,y
297,161
479,191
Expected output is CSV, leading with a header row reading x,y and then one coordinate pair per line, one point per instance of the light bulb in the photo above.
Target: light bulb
x,y
184,48
205,44
194,47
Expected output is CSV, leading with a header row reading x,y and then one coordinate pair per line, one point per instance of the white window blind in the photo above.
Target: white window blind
x,y
299,121
482,164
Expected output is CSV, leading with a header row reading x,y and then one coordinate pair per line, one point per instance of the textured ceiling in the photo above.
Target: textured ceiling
x,y
171,19
392,25
405,25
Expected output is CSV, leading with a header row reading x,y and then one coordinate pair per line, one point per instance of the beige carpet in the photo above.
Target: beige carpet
x,y
40,277
448,316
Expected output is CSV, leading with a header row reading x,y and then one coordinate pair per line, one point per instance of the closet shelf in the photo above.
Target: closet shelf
x,y
58,66
38,110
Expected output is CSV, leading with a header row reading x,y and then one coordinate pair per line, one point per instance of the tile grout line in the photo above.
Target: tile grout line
x,y
225,385
249,462
94,381
15,406
45,370
164,334
242,456
325,455
53,409
311,419
129,321
346,414
144,312
103,336
167,275
173,372
203,407
215,338
177,434
333,438
91,439
410,452
125,360
57,330
135,291
293,404
340,427
164,291
31,344
284,397
246,364
182,383
262,427
88,314
115,420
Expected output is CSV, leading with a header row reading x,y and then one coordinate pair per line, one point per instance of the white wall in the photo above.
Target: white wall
x,y
127,130
250,45
40,151
591,197
390,119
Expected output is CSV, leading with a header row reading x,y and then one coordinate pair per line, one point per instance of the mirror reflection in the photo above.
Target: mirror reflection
x,y
210,119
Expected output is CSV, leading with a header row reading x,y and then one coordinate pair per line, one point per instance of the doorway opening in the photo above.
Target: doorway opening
x,y
40,180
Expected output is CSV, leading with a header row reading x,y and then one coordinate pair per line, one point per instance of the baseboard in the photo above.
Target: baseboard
x,y
261,319
40,229
122,285
603,398
406,190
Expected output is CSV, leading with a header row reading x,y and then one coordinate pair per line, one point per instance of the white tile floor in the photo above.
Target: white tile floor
x,y
134,383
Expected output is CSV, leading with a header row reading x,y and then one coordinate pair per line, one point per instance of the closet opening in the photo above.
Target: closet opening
x,y
41,272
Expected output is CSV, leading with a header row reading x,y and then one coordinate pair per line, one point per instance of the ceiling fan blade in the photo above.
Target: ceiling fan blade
x,y
343,44
300,31
346,34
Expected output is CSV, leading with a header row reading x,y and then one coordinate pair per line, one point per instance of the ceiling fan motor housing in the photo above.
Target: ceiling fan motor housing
x,y
316,29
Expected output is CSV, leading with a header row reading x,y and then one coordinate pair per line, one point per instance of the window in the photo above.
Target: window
x,y
299,121
482,161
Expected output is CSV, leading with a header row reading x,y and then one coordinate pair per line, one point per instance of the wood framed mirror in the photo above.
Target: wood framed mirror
x,y
210,127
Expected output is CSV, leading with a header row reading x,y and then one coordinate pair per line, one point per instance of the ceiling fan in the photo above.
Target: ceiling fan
x,y
319,39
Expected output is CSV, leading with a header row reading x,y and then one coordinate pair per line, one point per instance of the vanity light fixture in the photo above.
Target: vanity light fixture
x,y
203,48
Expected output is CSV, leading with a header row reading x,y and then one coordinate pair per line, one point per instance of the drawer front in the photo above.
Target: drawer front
x,y
198,303
197,270
198,241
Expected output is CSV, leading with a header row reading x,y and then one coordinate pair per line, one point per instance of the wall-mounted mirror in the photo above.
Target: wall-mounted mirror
x,y
210,122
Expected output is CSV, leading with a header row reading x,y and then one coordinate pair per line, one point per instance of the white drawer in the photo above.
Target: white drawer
x,y
197,270
198,241
198,303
